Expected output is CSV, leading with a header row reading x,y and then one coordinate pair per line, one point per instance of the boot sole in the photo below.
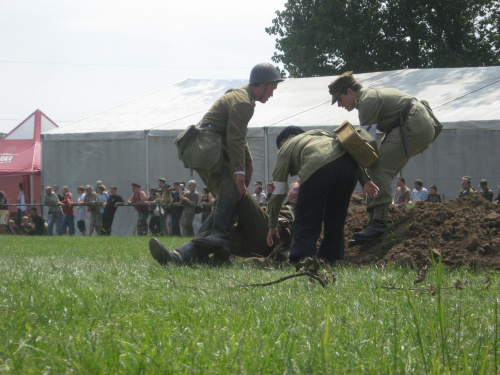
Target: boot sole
x,y
159,252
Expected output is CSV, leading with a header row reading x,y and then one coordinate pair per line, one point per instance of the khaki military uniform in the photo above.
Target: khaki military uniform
x,y
188,214
380,107
465,193
229,117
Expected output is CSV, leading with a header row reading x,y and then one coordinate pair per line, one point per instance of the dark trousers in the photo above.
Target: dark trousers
x,y
107,222
176,213
155,225
324,199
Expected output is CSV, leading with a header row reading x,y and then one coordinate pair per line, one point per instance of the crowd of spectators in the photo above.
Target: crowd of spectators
x,y
402,195
169,209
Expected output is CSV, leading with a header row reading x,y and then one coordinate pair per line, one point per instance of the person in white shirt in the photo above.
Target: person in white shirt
x,y
259,197
21,210
81,211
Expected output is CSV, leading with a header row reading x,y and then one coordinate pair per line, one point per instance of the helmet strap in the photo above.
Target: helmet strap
x,y
263,92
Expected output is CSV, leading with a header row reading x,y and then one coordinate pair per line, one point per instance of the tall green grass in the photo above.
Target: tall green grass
x,y
102,305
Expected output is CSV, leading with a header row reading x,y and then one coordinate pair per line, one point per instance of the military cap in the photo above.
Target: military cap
x,y
467,178
136,185
483,182
162,179
287,132
345,80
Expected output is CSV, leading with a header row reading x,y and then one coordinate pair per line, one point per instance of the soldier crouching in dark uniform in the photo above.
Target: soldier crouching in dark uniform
x,y
328,175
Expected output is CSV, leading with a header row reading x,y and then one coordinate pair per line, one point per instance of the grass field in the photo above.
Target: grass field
x,y
102,305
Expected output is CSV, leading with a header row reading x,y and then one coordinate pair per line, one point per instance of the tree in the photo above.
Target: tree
x,y
325,37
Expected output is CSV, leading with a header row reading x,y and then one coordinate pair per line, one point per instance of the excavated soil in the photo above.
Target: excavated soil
x,y
463,231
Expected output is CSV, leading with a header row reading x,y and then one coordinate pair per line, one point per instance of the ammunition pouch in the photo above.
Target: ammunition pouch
x,y
199,147
358,143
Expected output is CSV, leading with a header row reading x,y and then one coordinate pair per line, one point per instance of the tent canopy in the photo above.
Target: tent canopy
x,y
20,149
133,142
461,97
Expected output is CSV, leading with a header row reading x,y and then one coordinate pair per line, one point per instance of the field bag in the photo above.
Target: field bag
x,y
199,148
358,143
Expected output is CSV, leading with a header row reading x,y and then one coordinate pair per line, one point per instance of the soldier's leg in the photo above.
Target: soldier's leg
x,y
339,197
185,254
309,212
391,161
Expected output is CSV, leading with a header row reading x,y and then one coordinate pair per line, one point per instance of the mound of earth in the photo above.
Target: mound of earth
x,y
463,231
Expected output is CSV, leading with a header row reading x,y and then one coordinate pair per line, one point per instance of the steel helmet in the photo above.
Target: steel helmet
x,y
263,73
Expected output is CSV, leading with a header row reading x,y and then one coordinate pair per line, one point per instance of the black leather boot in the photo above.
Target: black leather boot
x,y
376,229
223,222
161,254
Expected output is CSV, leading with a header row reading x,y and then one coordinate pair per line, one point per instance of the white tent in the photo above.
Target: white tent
x,y
133,142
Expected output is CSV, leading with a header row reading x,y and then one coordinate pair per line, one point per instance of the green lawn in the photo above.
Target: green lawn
x,y
103,305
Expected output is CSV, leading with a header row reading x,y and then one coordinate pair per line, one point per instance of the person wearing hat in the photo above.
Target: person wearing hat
x,y
328,175
110,206
229,178
190,199
486,192
466,187
161,182
409,127
139,198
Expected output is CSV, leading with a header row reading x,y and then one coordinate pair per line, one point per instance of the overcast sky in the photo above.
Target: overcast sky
x,y
74,58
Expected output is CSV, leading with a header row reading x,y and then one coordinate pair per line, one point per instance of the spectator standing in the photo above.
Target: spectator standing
x,y
21,210
55,189
486,192
258,195
176,209
402,195
101,197
166,199
466,187
138,197
93,209
419,193
69,215
206,202
269,190
154,211
161,182
110,207
38,222
190,200
433,197
55,212
81,211
4,212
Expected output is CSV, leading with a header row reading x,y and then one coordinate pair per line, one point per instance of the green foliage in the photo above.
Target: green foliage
x,y
326,37
102,305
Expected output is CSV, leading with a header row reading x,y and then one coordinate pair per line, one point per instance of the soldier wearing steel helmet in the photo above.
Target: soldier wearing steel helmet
x,y
409,126
228,181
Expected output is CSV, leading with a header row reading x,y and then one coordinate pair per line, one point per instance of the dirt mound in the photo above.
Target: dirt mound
x,y
464,231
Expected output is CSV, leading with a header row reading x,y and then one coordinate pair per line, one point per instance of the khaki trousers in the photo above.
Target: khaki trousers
x,y
392,158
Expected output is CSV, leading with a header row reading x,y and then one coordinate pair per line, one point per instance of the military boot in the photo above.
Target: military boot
x,y
161,254
376,229
223,222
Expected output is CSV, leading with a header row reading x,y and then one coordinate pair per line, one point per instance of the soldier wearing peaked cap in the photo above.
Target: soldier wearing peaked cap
x,y
229,178
486,192
409,126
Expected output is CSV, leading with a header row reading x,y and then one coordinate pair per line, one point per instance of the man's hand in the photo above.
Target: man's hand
x,y
273,232
248,174
370,188
240,184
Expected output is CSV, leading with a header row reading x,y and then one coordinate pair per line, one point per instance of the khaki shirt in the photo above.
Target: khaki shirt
x,y
380,106
302,155
230,116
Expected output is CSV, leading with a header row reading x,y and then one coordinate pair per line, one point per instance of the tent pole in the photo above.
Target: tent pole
x,y
146,136
266,156
31,189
